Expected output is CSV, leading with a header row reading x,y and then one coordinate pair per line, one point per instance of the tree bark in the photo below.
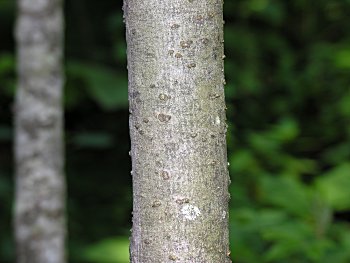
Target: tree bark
x,y
40,185
178,131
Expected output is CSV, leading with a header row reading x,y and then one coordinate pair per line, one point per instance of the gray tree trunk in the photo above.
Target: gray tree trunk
x,y
40,186
177,127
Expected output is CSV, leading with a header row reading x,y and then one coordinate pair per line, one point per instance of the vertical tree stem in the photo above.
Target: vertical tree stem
x,y
40,185
178,131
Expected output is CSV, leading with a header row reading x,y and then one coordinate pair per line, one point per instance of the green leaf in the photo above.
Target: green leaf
x,y
296,167
342,58
243,161
7,63
288,239
246,228
281,250
263,143
108,88
112,250
243,235
334,186
287,193
286,130
7,73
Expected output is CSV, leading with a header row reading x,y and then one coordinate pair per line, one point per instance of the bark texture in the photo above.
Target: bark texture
x,y
178,131
40,186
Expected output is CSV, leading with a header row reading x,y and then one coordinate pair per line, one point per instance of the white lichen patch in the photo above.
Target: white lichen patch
x,y
223,214
190,212
217,120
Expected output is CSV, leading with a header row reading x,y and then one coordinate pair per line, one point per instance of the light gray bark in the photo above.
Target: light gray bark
x,y
40,186
177,127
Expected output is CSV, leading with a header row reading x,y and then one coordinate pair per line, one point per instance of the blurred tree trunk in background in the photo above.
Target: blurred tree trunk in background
x,y
177,126
40,185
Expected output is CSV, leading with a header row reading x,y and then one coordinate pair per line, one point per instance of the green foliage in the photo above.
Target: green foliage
x,y
335,185
342,58
7,68
106,87
289,141
114,250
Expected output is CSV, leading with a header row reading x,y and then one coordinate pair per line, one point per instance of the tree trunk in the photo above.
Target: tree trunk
x,y
177,127
40,186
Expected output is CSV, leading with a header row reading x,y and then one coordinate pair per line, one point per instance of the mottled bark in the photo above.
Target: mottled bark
x,y
177,126
40,187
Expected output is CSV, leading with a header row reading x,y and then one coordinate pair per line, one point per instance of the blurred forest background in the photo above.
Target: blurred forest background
x,y
288,98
